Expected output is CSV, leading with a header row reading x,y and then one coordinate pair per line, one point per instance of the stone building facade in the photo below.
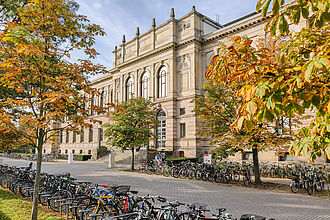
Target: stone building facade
x,y
167,65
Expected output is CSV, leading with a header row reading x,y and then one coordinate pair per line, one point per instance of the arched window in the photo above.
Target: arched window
x,y
117,90
129,88
144,85
102,98
161,129
111,96
162,75
92,105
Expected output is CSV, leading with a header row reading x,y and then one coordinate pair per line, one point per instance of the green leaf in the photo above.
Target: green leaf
x,y
327,151
248,125
276,6
277,98
299,109
240,123
265,8
309,70
274,25
299,82
269,115
260,91
261,116
316,101
260,4
251,108
307,104
284,27
270,104
304,12
277,111
325,62
304,149
296,17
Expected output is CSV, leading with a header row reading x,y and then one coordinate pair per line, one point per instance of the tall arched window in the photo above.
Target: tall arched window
x,y
111,96
144,85
162,75
92,104
117,90
161,129
129,88
102,99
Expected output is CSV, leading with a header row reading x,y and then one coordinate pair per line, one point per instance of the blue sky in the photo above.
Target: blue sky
x,y
119,17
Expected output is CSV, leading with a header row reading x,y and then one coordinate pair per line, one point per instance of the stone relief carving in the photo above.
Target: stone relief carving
x,y
183,61
182,27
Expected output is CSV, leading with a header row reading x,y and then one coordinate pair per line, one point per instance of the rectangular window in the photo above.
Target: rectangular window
x,y
67,137
73,151
100,134
74,138
89,151
82,136
182,111
66,151
61,137
283,126
90,135
182,130
81,151
59,151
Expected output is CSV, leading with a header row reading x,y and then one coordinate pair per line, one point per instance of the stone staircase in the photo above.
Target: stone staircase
x,y
123,159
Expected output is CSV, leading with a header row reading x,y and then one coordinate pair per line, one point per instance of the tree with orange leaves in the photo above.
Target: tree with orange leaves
x,y
46,87
285,81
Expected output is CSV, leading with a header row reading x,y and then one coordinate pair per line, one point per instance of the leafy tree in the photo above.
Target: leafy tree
x,y
131,125
285,79
9,10
217,111
47,87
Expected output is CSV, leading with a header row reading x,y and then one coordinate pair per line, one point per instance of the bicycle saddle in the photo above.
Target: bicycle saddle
x,y
105,185
134,192
221,209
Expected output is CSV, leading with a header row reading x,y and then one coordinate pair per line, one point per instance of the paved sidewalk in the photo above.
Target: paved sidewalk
x,y
237,200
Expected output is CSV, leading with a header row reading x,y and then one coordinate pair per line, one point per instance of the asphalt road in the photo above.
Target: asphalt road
x,y
237,200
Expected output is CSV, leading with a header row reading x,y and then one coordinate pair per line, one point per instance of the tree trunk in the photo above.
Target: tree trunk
x,y
257,180
132,165
36,185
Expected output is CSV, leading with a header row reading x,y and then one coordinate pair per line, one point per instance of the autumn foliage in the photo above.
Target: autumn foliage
x,y
284,78
40,84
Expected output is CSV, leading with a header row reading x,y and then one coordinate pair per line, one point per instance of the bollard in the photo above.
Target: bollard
x,y
1,160
111,160
70,158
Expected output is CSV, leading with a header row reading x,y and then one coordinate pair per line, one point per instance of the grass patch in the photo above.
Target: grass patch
x,y
15,207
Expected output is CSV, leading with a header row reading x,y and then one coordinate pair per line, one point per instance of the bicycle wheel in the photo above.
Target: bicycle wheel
x,y
54,204
319,186
204,175
246,180
198,175
236,176
310,187
191,174
210,177
183,173
149,169
294,185
166,171
176,172
24,192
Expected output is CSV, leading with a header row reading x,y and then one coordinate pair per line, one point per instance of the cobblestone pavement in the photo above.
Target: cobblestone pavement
x,y
237,200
